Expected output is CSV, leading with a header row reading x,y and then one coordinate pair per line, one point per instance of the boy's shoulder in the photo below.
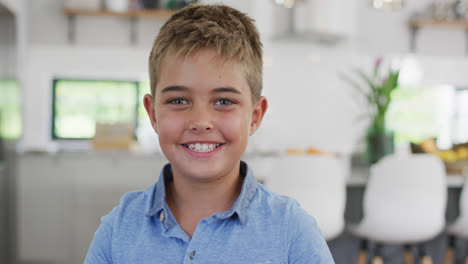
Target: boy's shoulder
x,y
278,206
133,204
140,198
300,228
274,200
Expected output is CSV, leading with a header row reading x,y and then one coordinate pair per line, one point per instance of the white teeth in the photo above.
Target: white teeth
x,y
202,147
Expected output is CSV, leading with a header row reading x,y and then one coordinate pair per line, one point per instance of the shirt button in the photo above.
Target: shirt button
x,y
161,217
192,254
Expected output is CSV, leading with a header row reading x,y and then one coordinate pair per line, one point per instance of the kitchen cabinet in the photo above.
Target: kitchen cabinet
x,y
61,198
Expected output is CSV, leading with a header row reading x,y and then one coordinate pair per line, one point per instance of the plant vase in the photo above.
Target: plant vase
x,y
378,145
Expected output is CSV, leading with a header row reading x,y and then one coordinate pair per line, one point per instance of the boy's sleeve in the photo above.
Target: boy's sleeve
x,y
307,244
100,250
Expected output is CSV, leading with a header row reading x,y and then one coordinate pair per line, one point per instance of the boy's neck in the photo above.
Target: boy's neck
x,y
191,201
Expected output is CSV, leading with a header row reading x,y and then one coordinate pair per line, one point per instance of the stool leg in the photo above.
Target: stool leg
x,y
450,252
408,254
466,252
466,258
362,258
378,255
425,259
377,260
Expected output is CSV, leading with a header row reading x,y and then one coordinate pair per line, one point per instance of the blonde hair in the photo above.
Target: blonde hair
x,y
231,33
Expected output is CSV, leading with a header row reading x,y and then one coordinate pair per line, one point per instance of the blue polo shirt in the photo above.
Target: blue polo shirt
x,y
261,227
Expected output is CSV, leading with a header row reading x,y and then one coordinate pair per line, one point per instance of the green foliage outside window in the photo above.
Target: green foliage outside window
x,y
414,114
460,122
10,110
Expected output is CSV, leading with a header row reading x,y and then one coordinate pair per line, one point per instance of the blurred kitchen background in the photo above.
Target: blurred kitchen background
x,y
75,137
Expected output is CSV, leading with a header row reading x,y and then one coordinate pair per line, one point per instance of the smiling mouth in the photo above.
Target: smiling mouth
x,y
199,147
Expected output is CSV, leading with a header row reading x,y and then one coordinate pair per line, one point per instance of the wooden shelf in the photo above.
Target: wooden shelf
x,y
416,23
132,15
425,22
149,13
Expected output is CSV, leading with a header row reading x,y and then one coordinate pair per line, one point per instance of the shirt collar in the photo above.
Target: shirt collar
x,y
249,187
160,190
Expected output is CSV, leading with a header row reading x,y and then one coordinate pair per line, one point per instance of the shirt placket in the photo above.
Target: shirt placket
x,y
199,243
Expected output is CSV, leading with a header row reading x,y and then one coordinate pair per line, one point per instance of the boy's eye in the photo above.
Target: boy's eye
x,y
178,101
224,101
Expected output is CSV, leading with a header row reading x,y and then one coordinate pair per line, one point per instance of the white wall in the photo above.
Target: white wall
x,y
49,26
309,104
382,32
8,62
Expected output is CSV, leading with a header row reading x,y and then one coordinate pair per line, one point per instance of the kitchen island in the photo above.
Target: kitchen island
x,y
60,198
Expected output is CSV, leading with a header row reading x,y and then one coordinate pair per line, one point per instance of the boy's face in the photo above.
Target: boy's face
x,y
203,114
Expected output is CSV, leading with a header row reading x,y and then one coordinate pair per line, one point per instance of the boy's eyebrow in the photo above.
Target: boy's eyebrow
x,y
177,88
174,88
226,89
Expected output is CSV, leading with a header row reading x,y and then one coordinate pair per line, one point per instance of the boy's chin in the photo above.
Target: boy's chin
x,y
204,173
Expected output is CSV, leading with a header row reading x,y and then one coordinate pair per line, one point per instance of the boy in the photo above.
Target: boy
x,y
206,207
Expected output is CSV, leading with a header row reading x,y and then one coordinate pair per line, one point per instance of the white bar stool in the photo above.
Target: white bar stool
x,y
318,183
459,228
404,203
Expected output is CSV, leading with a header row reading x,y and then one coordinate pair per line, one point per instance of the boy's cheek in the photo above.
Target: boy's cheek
x,y
238,126
169,126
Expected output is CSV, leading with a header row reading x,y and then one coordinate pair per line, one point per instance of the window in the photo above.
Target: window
x,y
79,104
419,113
460,116
10,110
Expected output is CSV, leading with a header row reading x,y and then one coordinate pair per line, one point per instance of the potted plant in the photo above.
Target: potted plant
x,y
377,92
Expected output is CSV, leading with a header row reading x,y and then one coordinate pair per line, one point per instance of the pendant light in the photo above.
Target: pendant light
x,y
387,4
287,3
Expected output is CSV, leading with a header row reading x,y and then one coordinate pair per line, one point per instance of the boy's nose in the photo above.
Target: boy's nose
x,y
200,120
200,126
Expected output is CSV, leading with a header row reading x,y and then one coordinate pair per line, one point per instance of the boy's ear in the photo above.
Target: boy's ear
x,y
148,102
258,112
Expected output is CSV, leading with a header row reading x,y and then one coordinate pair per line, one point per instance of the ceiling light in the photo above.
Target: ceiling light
x,y
287,3
387,4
